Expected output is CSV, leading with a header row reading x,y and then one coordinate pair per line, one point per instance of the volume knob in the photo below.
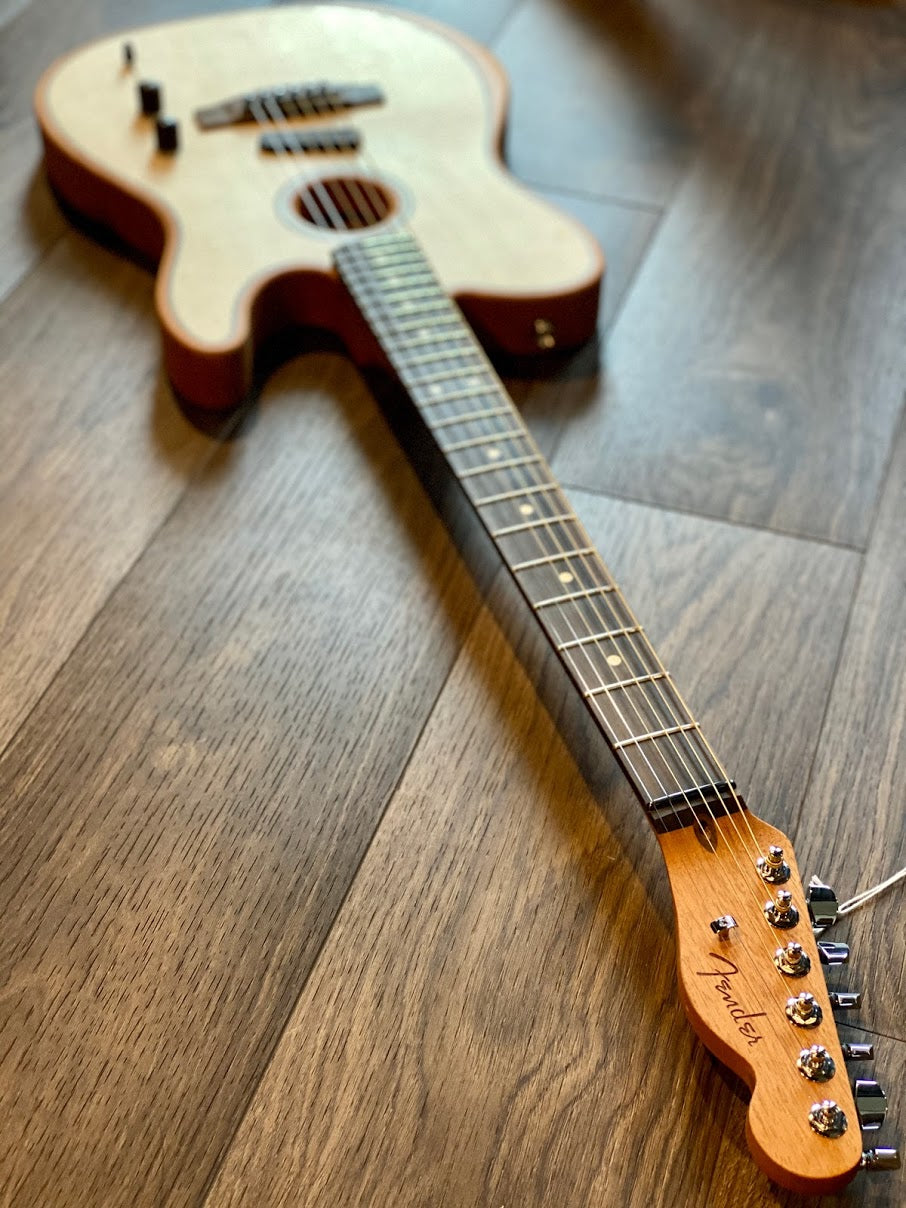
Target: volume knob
x,y
150,97
167,135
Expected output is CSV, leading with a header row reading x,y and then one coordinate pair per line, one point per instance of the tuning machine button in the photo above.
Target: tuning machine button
x,y
858,1052
150,97
781,912
845,1000
880,1159
773,868
167,135
833,954
827,1119
871,1104
822,904
816,1063
803,1010
792,961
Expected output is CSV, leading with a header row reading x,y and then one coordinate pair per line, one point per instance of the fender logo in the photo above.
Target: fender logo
x,y
725,990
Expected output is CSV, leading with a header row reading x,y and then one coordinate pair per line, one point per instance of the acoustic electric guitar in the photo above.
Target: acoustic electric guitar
x,y
369,198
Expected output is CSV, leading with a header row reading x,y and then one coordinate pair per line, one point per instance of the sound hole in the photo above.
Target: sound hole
x,y
344,203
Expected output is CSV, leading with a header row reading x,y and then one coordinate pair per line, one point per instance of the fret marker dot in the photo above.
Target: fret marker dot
x,y
526,509
435,389
565,577
613,660
493,453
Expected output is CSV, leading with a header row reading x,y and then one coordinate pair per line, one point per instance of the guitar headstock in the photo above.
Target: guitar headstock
x,y
752,984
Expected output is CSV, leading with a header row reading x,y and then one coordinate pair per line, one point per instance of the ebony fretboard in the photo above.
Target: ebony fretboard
x,y
432,349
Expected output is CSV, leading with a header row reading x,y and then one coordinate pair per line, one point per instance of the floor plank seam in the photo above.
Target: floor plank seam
x,y
505,20
625,203
747,525
227,1147
231,425
899,433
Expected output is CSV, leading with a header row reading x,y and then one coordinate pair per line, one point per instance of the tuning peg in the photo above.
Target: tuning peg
x,y
871,1104
880,1159
858,1052
833,954
822,904
845,1000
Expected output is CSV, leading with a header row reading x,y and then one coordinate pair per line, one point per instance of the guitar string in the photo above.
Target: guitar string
x,y
266,116
650,655
287,145
316,185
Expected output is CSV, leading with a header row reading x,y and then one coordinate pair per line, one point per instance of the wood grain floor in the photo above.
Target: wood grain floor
x,y
317,886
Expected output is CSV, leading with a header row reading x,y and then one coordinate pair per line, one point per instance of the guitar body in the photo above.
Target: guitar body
x,y
238,261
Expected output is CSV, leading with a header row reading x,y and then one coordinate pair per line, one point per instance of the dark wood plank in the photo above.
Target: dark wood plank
x,y
606,97
95,456
549,395
481,21
493,1019
852,817
757,369
182,814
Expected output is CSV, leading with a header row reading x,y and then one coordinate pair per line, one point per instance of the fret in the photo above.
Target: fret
x,y
543,521
619,684
477,441
603,636
428,338
665,733
548,559
409,292
454,321
407,307
455,396
511,464
448,375
585,594
541,539
516,493
431,358
470,417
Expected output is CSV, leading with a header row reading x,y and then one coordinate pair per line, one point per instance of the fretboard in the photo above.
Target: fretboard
x,y
541,540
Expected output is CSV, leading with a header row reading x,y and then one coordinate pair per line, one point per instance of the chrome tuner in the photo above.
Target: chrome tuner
x,y
858,1052
773,867
822,904
781,912
845,1000
803,1010
792,961
833,954
871,1104
816,1063
827,1118
880,1159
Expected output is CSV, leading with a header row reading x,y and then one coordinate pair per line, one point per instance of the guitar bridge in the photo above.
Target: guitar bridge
x,y
307,142
290,101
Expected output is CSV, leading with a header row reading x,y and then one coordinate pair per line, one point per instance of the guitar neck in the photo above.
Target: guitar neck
x,y
572,594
